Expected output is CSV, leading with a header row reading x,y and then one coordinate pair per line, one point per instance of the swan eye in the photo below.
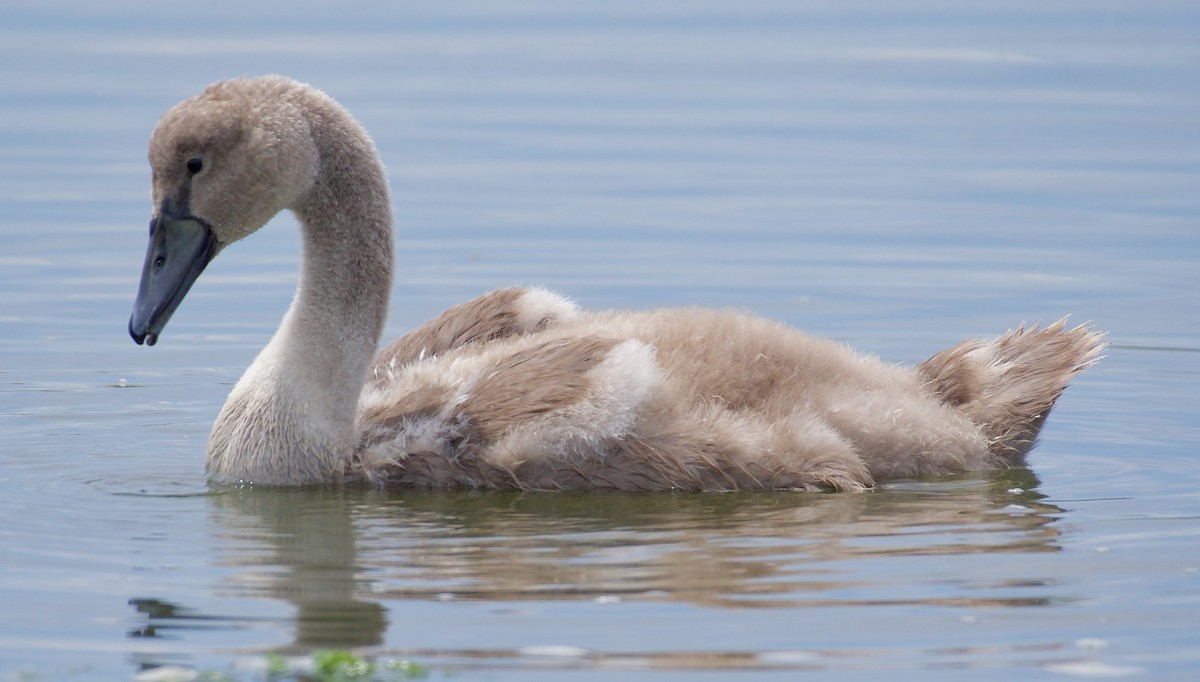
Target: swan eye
x,y
195,165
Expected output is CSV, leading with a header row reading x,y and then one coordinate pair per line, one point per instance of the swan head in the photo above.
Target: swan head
x,y
223,163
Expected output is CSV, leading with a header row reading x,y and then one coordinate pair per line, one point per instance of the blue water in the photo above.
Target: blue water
x,y
898,176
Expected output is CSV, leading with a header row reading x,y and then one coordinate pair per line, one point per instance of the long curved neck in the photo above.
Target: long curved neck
x,y
337,316
290,420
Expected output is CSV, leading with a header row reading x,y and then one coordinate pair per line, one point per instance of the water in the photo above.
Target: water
x,y
897,176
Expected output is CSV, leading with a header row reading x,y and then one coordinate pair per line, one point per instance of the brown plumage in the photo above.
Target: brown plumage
x,y
1008,385
519,388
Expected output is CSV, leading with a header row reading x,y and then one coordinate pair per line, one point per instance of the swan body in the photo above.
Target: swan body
x,y
519,388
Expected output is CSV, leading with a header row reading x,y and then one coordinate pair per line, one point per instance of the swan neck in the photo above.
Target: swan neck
x,y
341,301
291,418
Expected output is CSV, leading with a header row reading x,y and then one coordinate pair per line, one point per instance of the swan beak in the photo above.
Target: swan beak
x,y
179,250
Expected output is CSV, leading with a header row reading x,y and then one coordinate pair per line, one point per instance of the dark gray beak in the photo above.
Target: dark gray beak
x,y
179,250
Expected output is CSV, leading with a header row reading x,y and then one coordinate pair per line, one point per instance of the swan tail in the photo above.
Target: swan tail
x,y
1009,384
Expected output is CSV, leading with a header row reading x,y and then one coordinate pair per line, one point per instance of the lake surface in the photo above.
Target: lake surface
x,y
898,176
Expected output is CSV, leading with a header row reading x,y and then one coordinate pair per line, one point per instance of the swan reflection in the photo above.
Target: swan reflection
x,y
344,558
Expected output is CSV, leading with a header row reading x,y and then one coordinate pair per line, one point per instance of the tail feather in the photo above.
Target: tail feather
x,y
1009,384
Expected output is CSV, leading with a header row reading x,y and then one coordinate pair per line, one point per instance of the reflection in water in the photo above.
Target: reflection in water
x,y
337,556
299,546
725,550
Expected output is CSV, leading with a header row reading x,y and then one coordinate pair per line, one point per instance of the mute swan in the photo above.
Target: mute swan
x,y
519,388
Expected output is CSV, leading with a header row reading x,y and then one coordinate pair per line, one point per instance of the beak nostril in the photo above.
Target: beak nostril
x,y
178,252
